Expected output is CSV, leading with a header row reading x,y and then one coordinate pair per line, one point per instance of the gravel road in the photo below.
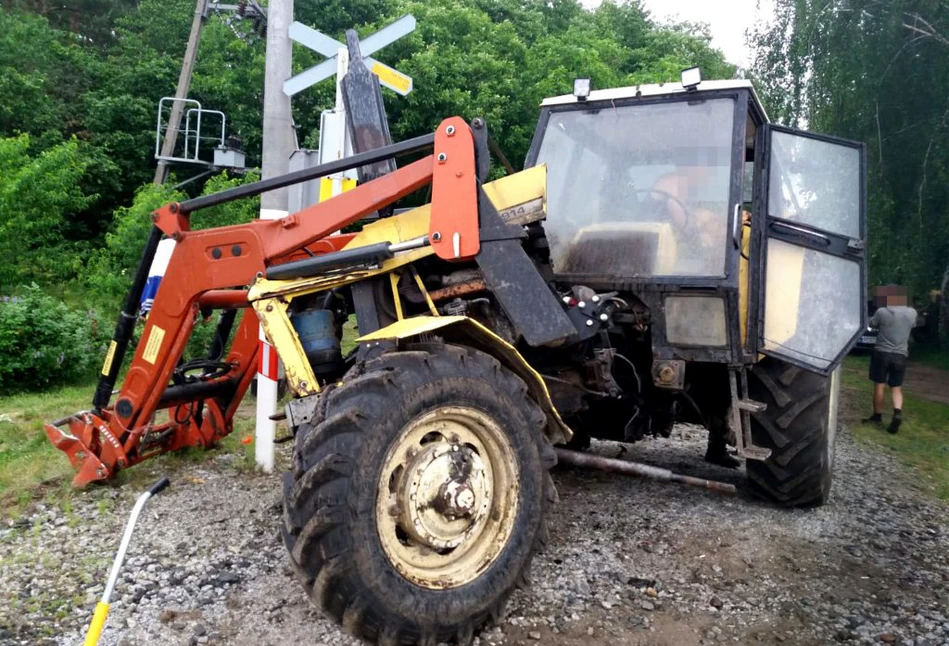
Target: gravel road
x,y
630,562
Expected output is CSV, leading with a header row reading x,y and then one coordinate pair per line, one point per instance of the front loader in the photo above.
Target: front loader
x,y
667,256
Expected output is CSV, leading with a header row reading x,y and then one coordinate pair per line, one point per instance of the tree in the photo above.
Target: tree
x,y
38,194
42,75
97,71
874,71
92,21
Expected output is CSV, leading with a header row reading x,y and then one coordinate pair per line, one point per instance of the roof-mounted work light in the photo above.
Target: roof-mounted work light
x,y
691,78
581,89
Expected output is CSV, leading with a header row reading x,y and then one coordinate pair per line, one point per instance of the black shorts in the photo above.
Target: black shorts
x,y
887,367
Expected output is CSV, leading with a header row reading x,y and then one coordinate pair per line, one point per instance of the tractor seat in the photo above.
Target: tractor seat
x,y
620,249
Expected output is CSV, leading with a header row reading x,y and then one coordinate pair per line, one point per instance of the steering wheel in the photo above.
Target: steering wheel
x,y
658,195
669,197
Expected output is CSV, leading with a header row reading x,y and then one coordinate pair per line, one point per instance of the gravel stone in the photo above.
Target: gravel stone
x,y
206,564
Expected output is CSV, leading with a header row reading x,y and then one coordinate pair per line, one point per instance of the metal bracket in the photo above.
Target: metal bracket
x,y
300,411
740,416
668,374
496,234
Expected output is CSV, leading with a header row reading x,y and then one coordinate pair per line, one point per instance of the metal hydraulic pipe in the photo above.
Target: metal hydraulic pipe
x,y
372,254
224,298
126,324
185,393
576,459
256,188
460,289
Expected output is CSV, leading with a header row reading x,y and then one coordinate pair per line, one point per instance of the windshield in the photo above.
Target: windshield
x,y
639,190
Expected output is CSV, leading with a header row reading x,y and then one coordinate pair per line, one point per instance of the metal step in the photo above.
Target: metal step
x,y
752,406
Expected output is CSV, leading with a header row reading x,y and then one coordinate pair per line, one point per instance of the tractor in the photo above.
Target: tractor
x,y
667,255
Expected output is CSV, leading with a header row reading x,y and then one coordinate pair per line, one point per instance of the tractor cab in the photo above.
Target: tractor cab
x,y
684,195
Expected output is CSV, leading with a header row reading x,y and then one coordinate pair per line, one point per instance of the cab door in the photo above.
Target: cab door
x,y
813,260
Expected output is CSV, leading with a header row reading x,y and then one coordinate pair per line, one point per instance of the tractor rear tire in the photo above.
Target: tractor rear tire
x,y
800,427
372,546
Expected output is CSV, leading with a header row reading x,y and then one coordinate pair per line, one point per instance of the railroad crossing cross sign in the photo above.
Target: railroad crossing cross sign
x,y
330,47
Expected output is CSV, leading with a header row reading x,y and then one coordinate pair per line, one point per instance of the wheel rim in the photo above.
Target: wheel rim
x,y
447,497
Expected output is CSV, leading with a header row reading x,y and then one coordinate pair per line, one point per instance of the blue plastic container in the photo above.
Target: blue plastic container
x,y
317,332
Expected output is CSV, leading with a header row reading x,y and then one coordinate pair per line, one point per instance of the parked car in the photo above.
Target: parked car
x,y
868,339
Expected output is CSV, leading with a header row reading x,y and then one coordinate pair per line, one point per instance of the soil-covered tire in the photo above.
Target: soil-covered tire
x,y
800,427
336,527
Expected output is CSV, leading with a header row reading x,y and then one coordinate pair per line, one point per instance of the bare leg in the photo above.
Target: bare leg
x,y
878,398
897,392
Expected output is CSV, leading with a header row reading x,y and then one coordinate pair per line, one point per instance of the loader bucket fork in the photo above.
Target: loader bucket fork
x,y
212,269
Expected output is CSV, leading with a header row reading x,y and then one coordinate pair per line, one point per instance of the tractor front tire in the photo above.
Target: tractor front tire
x,y
800,427
418,495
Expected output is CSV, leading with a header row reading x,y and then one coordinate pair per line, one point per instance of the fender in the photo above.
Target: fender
x,y
467,331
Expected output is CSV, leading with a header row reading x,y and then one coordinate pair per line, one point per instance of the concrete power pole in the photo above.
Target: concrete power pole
x,y
278,144
184,82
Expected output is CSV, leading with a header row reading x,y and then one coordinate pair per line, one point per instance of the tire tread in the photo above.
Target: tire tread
x,y
316,495
793,426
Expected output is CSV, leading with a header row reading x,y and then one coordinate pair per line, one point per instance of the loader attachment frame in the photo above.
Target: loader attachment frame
x,y
212,269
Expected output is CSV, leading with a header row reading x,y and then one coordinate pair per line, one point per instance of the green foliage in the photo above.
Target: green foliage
x,y
83,82
96,70
42,72
90,21
237,212
875,72
45,343
38,195
111,267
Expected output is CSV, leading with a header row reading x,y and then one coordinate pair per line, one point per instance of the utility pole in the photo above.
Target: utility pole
x,y
184,82
278,145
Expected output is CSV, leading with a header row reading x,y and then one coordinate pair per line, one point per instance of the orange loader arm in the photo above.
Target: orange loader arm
x,y
212,269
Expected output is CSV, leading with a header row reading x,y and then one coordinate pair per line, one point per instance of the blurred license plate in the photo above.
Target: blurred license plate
x,y
871,340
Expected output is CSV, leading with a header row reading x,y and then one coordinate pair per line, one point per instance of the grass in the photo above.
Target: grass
x,y
923,440
27,459
930,354
31,467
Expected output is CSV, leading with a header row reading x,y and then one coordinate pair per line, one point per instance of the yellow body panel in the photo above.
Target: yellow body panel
x,y
473,333
272,313
744,286
398,228
522,197
782,293
416,326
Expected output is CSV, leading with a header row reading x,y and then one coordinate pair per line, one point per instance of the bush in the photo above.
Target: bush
x,y
45,343
110,269
39,195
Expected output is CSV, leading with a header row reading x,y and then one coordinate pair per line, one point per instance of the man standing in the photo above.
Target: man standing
x,y
894,321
